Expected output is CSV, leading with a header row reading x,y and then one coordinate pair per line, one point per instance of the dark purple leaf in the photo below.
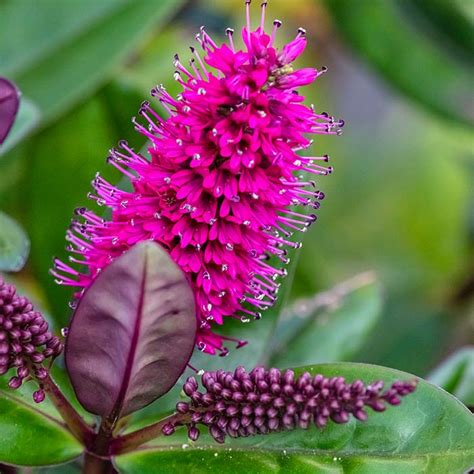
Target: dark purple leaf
x,y
132,333
9,102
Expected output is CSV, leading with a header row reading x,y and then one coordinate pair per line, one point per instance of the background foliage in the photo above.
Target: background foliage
x,y
397,225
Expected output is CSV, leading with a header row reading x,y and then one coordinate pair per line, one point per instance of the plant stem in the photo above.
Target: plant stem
x,y
73,420
128,442
96,465
97,459
102,441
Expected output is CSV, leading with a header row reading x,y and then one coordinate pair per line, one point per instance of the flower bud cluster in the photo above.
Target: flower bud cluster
x,y
25,341
241,404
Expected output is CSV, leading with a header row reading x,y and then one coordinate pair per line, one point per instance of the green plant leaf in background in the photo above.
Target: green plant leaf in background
x,y
68,49
26,120
32,434
60,377
71,468
14,245
430,431
456,375
155,61
453,19
380,31
330,327
62,162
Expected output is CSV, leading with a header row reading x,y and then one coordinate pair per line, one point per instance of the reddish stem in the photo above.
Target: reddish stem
x,y
128,442
71,417
97,465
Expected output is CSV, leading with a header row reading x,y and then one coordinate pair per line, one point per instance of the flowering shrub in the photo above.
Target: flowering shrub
x,y
222,176
203,237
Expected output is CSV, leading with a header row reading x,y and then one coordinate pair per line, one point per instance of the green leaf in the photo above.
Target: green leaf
x,y
121,101
70,468
14,245
60,377
410,61
453,20
32,434
156,61
66,50
26,120
430,431
80,142
456,375
331,326
70,19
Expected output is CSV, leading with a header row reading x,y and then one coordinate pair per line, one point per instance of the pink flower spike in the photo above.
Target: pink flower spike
x,y
222,174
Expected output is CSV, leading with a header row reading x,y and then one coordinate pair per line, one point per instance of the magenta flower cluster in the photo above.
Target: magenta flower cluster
x,y
241,404
220,181
25,341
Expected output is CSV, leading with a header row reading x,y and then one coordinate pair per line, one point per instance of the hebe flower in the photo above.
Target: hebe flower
x,y
241,404
222,176
25,342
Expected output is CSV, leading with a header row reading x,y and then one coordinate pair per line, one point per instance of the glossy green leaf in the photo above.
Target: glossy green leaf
x,y
410,61
58,374
456,375
332,326
14,245
156,62
121,101
69,50
70,468
61,379
26,120
453,20
80,141
64,21
430,431
32,434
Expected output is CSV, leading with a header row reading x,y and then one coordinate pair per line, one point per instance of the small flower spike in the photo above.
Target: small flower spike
x,y
25,342
221,179
241,404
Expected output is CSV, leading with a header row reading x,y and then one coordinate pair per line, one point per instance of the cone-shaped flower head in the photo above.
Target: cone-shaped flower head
x,y
240,404
25,342
222,176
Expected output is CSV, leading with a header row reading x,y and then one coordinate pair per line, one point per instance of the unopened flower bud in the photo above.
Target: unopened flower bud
x,y
25,341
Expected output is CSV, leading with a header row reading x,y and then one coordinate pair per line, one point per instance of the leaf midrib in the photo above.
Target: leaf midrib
x,y
118,407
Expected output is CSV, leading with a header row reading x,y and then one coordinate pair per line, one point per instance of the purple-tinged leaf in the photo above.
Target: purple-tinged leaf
x,y
132,333
9,102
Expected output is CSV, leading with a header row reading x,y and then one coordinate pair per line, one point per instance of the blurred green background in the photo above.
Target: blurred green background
x,y
399,202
